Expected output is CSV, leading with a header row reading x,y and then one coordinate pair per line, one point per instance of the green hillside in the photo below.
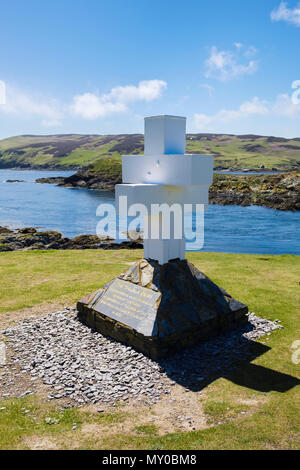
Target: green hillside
x,y
78,151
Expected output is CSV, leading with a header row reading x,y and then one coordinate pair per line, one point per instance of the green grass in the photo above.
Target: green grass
x,y
60,276
219,411
108,167
15,424
147,429
257,406
80,157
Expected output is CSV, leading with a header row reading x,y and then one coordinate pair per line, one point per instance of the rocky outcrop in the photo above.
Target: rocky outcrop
x,y
29,238
59,180
14,181
286,202
85,179
280,191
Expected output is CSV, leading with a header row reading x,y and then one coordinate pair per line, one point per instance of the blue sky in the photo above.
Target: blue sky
x,y
90,66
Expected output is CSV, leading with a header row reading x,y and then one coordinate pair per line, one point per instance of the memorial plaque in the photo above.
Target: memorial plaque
x,y
131,305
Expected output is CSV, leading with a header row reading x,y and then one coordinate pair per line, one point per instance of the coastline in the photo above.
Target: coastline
x,y
29,238
227,190
41,168
276,191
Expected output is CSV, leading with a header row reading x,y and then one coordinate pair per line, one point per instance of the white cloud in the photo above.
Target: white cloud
x,y
147,90
92,106
224,65
248,108
284,106
209,88
2,92
51,123
22,104
250,51
87,105
255,106
238,45
202,121
283,13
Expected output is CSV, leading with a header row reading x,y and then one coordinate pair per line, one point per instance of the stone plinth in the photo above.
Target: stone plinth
x,y
159,309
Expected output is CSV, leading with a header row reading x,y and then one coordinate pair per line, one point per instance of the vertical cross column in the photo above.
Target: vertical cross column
x,y
164,135
165,175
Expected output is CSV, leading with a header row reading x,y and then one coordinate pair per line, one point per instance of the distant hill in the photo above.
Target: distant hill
x,y
73,151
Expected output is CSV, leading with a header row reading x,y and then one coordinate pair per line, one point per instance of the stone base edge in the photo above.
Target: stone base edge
x,y
152,346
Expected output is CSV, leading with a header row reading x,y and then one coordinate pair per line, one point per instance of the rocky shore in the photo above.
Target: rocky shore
x,y
279,191
29,238
104,176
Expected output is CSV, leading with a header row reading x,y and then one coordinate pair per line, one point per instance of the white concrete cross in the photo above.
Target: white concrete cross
x,y
165,174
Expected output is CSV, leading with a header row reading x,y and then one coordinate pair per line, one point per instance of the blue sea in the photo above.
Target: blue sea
x,y
230,229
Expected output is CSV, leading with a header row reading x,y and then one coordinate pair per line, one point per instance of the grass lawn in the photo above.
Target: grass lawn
x,y
255,408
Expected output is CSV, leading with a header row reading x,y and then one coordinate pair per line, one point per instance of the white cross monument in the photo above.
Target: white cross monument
x,y
159,307
165,174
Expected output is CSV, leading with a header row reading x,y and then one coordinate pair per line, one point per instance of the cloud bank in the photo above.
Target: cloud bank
x,y
87,106
91,106
282,106
227,65
283,13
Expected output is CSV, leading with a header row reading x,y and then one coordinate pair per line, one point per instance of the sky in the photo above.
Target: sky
x,y
100,66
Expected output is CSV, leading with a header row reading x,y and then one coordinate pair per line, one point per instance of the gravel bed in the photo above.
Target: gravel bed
x,y
79,363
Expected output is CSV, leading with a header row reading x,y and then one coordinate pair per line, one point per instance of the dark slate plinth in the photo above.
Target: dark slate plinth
x,y
160,309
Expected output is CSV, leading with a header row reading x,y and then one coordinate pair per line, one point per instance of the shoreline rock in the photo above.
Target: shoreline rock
x,y
276,191
104,179
14,181
29,238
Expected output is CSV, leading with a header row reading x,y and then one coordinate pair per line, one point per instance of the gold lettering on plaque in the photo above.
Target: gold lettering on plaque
x,y
129,303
